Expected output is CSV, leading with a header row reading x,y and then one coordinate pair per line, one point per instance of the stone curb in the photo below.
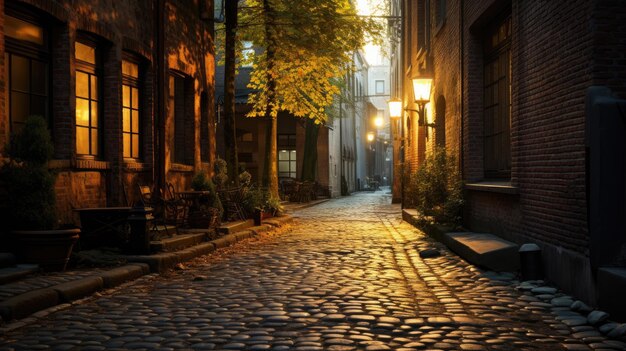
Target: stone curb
x,y
25,304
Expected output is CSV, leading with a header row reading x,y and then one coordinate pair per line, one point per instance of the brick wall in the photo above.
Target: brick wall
x,y
120,27
609,38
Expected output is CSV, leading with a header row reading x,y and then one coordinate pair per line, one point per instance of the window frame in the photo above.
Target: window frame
x,y
92,70
31,52
497,110
376,91
180,118
132,83
288,148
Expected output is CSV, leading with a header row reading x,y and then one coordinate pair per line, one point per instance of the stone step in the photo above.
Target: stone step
x,y
177,242
236,226
10,274
7,259
612,291
485,250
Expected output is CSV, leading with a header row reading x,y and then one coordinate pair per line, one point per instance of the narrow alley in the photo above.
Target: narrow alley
x,y
346,276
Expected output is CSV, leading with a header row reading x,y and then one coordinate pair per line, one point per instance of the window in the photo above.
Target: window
x,y
287,155
131,117
380,87
497,100
179,92
87,100
27,70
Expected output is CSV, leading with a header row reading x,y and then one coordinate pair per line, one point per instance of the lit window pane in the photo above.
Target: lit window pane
x,y
293,155
82,84
94,142
135,121
82,112
135,98
126,120
18,29
283,166
130,69
82,141
126,142
94,87
292,166
283,155
20,73
94,114
85,53
135,153
126,95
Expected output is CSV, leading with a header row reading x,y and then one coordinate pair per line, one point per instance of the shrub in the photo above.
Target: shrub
x,y
28,197
436,188
220,179
201,182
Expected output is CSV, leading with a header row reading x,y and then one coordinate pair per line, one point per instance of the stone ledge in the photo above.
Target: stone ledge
x,y
77,289
485,250
25,304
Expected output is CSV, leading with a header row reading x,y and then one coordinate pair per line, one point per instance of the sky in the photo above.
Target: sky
x,y
372,52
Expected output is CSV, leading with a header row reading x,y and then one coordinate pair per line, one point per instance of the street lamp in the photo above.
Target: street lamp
x,y
421,93
370,136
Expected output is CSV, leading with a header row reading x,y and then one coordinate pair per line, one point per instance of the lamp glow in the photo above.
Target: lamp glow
x,y
421,89
370,136
378,121
395,108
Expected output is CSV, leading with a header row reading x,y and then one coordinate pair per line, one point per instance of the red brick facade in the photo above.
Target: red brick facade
x,y
121,30
557,51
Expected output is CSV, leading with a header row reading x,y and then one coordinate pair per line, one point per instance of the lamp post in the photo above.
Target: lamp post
x,y
421,93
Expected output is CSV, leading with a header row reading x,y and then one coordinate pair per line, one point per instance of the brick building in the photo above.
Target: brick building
x,y
127,88
510,83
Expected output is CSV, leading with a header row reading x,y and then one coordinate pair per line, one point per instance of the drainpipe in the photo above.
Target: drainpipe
x,y
158,168
461,91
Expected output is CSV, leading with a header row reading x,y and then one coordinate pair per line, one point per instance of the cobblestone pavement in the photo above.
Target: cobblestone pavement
x,y
348,276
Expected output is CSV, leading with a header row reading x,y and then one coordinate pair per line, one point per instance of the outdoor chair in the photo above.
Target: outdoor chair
x,y
232,201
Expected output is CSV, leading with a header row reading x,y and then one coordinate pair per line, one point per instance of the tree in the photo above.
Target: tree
x,y
307,46
230,137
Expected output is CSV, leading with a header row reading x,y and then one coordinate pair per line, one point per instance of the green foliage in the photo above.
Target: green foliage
x,y
201,182
220,178
260,199
308,44
245,178
27,196
436,188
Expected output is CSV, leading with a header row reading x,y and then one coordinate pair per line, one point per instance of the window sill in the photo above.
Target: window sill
x,y
92,164
178,167
502,187
135,166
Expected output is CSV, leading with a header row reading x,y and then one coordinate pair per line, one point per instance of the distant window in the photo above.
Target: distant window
x,y
380,87
497,100
287,155
87,100
131,117
27,71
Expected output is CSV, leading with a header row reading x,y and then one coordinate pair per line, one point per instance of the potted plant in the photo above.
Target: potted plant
x,y
29,202
209,210
253,203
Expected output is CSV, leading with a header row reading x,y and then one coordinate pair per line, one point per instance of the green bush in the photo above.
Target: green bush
x,y
27,196
201,182
436,188
220,178
260,199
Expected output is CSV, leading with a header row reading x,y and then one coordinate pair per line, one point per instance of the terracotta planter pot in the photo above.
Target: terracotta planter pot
x,y
50,249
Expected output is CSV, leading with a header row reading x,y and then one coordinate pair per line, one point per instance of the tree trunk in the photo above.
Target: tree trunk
x,y
309,157
230,132
270,176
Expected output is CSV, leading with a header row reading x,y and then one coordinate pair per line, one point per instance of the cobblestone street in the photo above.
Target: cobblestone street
x,y
346,276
